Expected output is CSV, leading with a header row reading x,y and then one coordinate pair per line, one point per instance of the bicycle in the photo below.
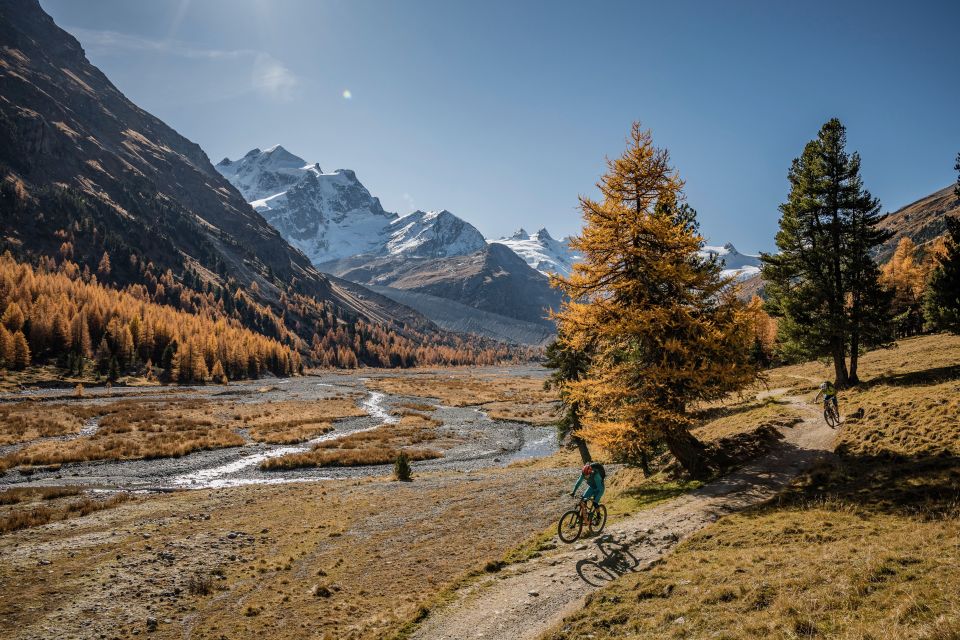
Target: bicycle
x,y
571,523
831,414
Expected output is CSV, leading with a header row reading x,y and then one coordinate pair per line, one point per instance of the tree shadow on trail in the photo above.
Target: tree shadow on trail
x,y
617,561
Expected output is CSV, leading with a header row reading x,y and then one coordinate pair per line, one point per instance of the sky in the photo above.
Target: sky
x,y
503,111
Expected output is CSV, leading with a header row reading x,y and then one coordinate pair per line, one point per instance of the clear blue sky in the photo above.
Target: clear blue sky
x,y
502,111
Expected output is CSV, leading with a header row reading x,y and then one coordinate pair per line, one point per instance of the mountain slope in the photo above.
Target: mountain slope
x,y
90,178
454,316
332,216
494,279
921,221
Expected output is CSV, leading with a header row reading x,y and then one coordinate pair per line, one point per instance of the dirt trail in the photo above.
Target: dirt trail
x,y
525,600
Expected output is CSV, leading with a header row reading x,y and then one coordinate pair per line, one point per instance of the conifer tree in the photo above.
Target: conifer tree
x,y
217,374
906,277
6,347
662,327
956,167
21,351
942,300
569,365
13,317
823,284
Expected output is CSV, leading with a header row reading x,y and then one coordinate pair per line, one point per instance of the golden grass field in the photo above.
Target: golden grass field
x,y
135,429
379,446
866,546
24,421
502,397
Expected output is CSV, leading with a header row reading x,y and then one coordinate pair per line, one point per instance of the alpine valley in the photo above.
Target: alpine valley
x,y
431,261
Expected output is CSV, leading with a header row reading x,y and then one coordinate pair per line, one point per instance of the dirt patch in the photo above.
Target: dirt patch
x,y
322,560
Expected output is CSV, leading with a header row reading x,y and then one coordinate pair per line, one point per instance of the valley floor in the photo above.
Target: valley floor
x,y
863,545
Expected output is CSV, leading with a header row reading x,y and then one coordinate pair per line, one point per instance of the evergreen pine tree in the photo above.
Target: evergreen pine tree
x,y
942,300
569,365
956,167
662,327
823,284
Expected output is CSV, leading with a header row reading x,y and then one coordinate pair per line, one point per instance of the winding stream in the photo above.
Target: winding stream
x,y
217,477
479,441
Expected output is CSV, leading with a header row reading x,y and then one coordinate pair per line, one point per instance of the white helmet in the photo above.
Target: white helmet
x,y
824,385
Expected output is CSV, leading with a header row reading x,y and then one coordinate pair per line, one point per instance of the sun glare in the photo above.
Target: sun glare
x,y
346,94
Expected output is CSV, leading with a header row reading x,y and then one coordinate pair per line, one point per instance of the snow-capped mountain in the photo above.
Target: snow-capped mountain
x,y
737,265
332,216
548,255
541,251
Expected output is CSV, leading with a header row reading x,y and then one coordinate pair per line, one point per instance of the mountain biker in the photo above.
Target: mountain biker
x,y
593,474
829,394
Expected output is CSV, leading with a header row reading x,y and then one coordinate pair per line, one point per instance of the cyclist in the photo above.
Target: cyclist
x,y
593,474
829,394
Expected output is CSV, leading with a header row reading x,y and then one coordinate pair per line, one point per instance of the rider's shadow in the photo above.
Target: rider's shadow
x,y
617,560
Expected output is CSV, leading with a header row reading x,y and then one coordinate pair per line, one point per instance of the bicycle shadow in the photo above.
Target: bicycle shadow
x,y
617,561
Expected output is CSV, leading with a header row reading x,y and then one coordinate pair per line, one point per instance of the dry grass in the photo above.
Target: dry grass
x,y
57,507
503,397
132,430
728,420
25,421
863,547
379,446
290,422
16,495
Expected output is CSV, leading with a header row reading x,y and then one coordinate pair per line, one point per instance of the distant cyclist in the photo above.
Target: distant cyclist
x,y
829,394
593,474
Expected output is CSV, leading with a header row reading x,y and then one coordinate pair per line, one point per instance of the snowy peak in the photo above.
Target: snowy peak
x,y
433,234
261,174
541,251
736,264
332,216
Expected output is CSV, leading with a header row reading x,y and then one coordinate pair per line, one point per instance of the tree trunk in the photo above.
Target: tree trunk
x,y
574,428
853,379
644,463
840,366
689,452
582,448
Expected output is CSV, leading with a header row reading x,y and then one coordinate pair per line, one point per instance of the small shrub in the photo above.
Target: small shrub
x,y
200,584
401,468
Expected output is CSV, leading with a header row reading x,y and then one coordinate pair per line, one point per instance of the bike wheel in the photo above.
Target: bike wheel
x,y
830,416
570,526
598,518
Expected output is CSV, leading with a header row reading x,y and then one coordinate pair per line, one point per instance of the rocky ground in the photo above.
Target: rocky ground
x,y
481,441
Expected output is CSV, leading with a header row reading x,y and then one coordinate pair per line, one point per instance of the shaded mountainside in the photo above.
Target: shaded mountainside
x,y
454,316
921,221
494,279
86,173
